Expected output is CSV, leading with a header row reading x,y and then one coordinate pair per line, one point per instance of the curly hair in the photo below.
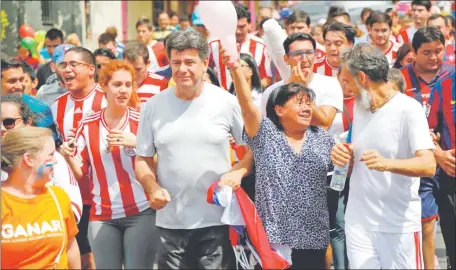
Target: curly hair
x,y
108,70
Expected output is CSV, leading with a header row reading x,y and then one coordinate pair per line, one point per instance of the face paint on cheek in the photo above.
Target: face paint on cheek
x,y
41,168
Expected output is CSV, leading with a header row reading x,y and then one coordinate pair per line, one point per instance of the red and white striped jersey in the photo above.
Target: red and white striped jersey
x,y
324,68
157,55
68,112
151,86
115,191
391,54
320,51
253,46
406,35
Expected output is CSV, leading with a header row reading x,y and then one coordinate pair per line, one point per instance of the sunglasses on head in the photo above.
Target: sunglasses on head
x,y
10,123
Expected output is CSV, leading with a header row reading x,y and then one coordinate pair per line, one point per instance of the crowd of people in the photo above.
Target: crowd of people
x,y
107,156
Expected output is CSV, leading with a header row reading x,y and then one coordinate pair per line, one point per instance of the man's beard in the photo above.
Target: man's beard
x,y
364,99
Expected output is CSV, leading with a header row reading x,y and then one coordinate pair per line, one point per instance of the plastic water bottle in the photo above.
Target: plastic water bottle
x,y
340,172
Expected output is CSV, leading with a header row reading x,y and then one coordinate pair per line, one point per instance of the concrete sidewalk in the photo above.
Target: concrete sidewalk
x,y
440,249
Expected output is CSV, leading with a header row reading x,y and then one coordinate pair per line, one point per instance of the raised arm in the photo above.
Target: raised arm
x,y
323,116
250,113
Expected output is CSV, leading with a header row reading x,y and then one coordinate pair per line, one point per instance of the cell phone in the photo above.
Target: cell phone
x,y
71,143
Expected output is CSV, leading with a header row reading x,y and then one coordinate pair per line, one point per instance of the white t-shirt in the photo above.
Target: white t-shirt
x,y
190,138
327,92
385,201
153,59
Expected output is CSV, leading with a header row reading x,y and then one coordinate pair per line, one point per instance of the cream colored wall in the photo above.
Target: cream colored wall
x,y
174,6
104,14
135,10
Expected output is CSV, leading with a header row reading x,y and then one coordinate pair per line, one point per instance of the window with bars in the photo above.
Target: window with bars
x,y
158,7
47,14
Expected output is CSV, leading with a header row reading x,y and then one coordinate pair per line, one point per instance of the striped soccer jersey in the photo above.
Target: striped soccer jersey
x,y
151,86
442,111
324,68
254,46
68,113
391,53
406,35
419,89
115,191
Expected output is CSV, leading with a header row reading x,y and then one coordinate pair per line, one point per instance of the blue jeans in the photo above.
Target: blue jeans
x,y
339,248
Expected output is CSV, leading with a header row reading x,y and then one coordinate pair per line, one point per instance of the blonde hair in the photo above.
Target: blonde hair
x,y
112,30
20,141
73,39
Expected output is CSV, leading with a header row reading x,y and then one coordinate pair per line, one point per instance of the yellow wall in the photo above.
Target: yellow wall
x,y
137,9
174,6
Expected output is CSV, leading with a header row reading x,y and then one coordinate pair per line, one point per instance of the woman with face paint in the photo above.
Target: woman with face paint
x,y
122,225
15,113
38,226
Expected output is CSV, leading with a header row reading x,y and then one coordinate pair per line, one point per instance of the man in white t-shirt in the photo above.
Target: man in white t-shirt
x,y
300,55
391,149
187,126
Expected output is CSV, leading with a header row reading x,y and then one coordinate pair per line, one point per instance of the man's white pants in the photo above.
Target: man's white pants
x,y
379,250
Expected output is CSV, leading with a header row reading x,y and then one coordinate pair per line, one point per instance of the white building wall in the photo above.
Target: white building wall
x,y
103,14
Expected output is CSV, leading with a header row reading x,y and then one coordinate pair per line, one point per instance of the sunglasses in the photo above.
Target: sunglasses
x,y
10,123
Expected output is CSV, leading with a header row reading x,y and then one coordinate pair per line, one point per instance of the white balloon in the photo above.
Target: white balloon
x,y
220,18
273,39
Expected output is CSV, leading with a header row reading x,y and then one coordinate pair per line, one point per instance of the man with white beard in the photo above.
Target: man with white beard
x,y
391,149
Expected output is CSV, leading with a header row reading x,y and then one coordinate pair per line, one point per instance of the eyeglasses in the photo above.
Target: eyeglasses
x,y
72,64
10,123
297,55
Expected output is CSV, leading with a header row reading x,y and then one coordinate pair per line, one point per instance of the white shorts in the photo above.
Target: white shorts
x,y
379,250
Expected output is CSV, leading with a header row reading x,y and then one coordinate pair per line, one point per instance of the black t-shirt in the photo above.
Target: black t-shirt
x,y
45,75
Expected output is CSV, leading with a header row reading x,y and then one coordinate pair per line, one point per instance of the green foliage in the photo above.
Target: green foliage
x,y
4,24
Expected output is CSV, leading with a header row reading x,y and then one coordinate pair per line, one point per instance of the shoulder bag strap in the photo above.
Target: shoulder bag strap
x,y
347,115
57,259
